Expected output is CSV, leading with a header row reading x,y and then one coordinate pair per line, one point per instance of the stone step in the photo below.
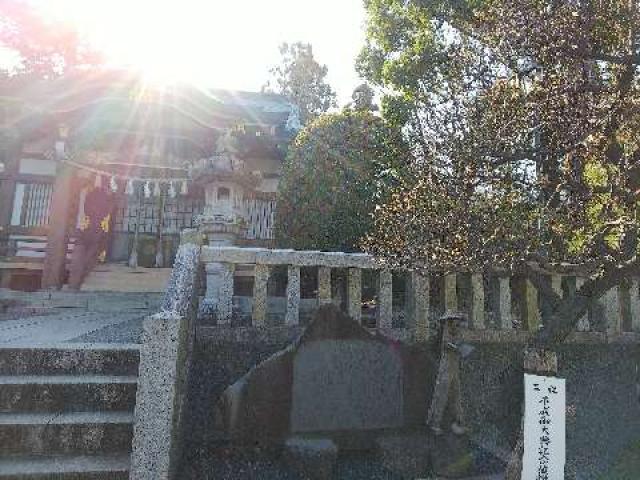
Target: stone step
x,y
67,393
121,278
66,467
65,433
70,359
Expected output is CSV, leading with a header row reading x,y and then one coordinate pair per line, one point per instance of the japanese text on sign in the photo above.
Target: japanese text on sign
x,y
544,428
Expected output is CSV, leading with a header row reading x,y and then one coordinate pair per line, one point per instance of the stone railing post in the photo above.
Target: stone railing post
x,y
292,316
261,279
165,357
477,301
218,297
634,304
324,285
612,311
354,294
419,305
505,321
450,292
531,307
385,299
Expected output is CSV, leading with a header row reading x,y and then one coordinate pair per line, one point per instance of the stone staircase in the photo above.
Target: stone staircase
x,y
114,277
66,412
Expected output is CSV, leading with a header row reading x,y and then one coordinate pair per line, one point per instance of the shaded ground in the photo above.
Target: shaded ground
x,y
261,464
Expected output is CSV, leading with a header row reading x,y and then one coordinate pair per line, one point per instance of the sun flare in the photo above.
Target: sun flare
x,y
169,41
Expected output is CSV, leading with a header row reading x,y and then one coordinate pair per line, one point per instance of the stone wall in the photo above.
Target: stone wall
x,y
603,406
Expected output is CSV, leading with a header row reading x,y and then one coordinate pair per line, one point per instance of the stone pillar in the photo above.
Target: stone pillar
x,y
324,285
163,378
531,309
219,292
354,294
419,305
477,301
634,303
261,279
612,311
450,293
505,321
61,213
292,317
385,299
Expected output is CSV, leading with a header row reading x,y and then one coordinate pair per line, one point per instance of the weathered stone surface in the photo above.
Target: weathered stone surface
x,y
292,315
450,292
385,299
332,390
324,285
306,258
611,310
313,458
419,305
531,317
634,307
354,294
477,301
160,397
318,384
261,278
505,320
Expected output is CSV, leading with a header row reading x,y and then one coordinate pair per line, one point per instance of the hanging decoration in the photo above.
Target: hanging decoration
x,y
171,191
128,190
129,181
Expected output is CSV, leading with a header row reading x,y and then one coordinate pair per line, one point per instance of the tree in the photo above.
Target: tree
x,y
338,169
301,79
524,119
42,48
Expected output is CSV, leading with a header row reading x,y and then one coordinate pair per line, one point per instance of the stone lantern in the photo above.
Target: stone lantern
x,y
226,182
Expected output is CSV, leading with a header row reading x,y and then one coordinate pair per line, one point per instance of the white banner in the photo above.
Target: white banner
x,y
544,428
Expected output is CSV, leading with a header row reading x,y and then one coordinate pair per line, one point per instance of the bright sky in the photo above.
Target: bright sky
x,y
219,43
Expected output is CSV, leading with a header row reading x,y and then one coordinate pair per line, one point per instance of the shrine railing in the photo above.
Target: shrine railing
x,y
403,304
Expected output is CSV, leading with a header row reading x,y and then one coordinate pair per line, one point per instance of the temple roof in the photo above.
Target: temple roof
x,y
86,92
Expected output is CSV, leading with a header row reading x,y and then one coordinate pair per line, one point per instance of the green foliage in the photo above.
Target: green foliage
x,y
302,80
43,48
523,119
338,169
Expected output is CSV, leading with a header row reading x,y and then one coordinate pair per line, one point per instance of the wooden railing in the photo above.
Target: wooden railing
x,y
492,302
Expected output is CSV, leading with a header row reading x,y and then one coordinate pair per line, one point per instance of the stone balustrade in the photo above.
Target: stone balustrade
x,y
492,302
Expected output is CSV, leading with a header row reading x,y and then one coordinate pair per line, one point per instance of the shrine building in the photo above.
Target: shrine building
x,y
170,159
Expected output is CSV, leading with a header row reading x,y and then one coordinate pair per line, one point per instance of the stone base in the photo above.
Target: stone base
x,y
314,459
